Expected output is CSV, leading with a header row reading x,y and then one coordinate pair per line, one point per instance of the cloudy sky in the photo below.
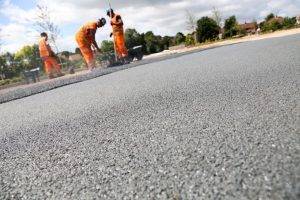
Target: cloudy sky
x,y
165,17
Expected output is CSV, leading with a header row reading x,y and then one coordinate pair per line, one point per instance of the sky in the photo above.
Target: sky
x,y
164,17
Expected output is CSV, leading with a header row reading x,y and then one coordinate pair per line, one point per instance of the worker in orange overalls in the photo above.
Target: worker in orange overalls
x,y
48,57
118,33
85,39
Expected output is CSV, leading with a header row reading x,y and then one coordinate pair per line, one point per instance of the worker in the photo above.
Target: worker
x,y
118,33
48,57
85,39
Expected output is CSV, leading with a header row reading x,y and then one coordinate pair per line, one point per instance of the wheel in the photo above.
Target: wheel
x,y
139,56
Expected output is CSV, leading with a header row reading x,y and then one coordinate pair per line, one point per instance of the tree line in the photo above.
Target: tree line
x,y
150,42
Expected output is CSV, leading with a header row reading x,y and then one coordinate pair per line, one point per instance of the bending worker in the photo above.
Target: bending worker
x,y
48,57
118,33
85,39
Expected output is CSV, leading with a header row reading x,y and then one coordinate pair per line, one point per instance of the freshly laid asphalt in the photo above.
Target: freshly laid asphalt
x,y
217,124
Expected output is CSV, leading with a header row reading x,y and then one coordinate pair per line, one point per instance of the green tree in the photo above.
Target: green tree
x,y
289,22
29,57
190,40
133,38
77,51
231,27
66,54
167,41
107,46
3,67
207,29
271,25
179,38
269,17
9,67
151,42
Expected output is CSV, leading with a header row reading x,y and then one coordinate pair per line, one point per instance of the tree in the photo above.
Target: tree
x,y
29,57
179,38
107,46
66,54
289,22
189,40
269,17
230,27
77,50
133,38
207,29
167,41
3,67
151,42
217,16
191,24
274,25
9,67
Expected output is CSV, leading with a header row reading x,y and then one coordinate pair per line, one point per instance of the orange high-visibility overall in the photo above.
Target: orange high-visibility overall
x,y
84,41
50,62
118,32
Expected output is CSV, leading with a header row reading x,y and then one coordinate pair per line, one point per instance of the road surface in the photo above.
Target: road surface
x,y
218,124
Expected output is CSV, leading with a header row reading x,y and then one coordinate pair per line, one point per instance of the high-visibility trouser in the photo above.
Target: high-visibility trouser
x,y
51,65
88,55
120,44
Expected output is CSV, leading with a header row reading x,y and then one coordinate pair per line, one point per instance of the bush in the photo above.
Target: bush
x,y
242,32
272,25
289,22
4,82
107,46
10,81
269,17
190,40
207,29
16,80
231,28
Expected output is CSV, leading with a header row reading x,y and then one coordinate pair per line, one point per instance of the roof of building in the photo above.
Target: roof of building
x,y
248,26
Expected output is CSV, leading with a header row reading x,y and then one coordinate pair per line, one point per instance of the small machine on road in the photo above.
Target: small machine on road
x,y
110,59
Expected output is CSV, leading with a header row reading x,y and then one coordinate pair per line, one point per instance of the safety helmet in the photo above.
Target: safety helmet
x,y
102,21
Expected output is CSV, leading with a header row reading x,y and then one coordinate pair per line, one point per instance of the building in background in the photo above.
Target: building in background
x,y
249,28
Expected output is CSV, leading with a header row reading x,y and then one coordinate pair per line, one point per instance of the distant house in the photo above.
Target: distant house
x,y
249,28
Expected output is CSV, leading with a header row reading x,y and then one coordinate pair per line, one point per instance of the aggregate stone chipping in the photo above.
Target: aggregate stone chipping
x,y
217,124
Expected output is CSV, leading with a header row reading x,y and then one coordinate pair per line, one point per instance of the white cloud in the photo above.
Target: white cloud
x,y
165,17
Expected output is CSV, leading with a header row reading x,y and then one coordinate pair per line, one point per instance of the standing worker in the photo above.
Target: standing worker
x,y
85,39
48,57
118,33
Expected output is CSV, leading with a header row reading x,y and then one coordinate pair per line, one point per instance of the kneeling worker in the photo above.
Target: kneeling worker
x,y
118,33
85,39
48,57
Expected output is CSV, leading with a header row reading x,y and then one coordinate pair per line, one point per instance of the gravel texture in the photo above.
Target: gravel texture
x,y
217,124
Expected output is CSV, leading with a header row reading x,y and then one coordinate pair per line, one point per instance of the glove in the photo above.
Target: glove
x,y
111,34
